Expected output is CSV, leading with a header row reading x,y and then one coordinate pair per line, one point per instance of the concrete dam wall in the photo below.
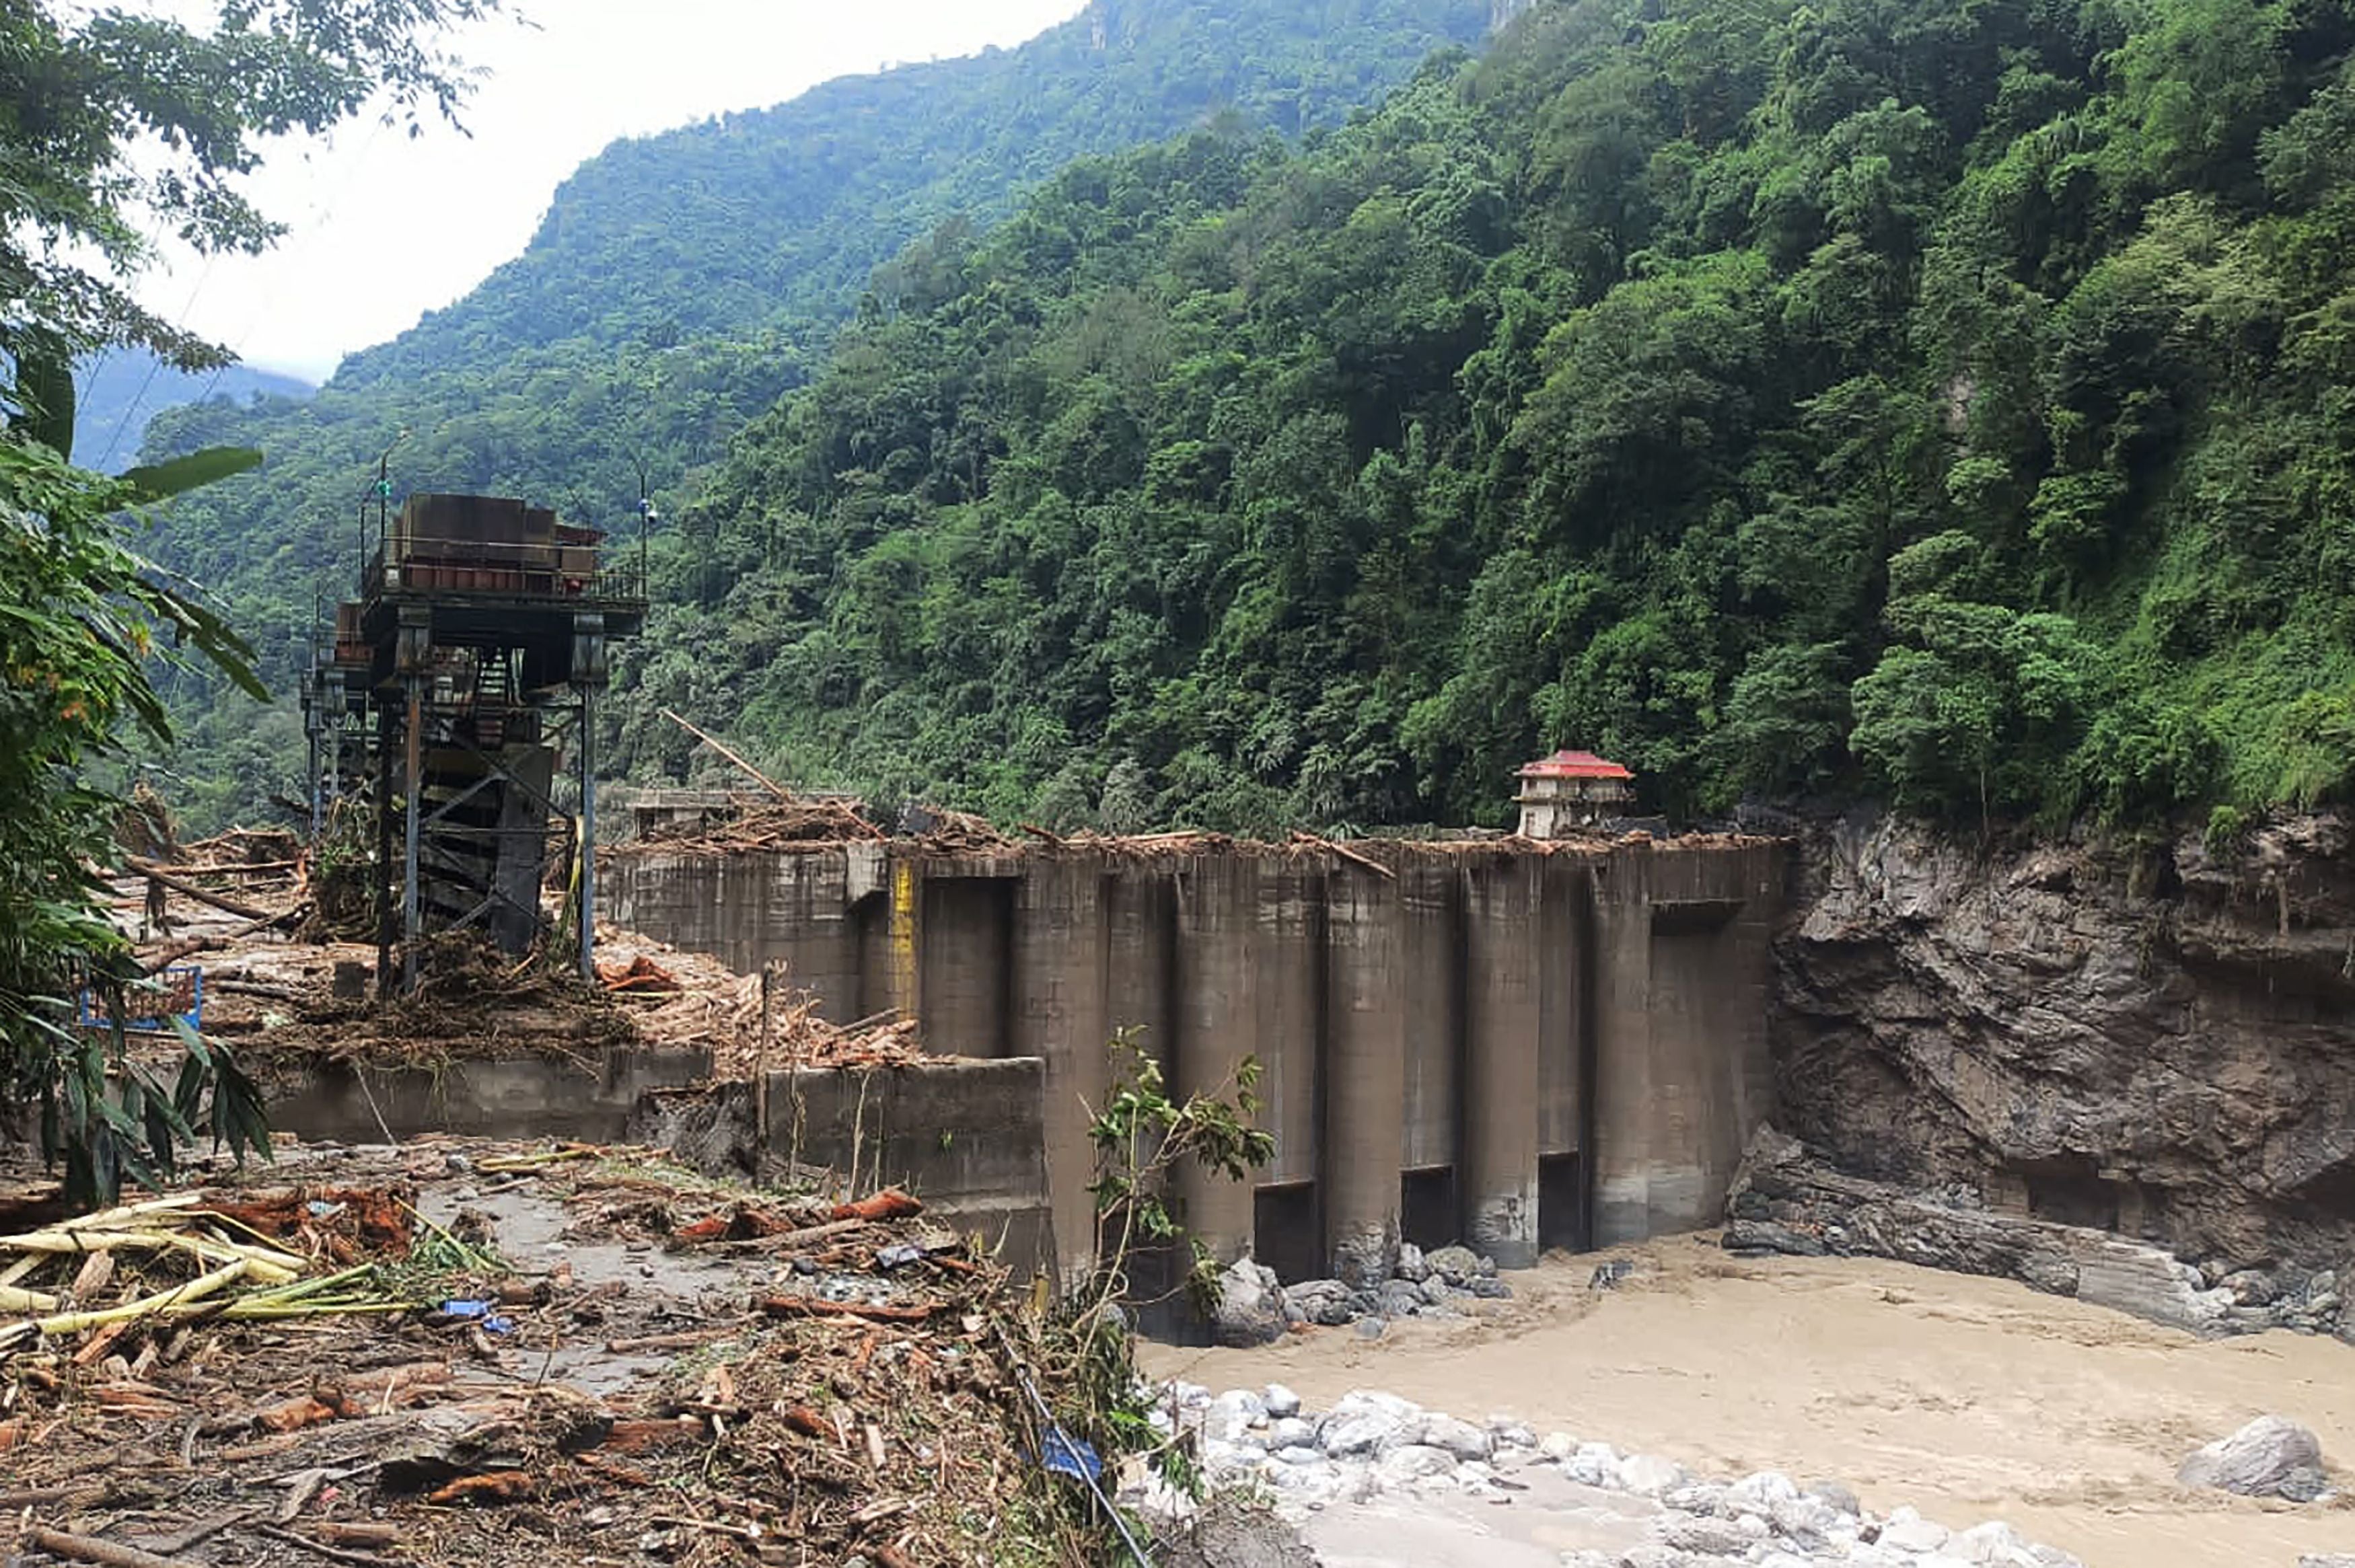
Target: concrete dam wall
x,y
964,1134
1515,1045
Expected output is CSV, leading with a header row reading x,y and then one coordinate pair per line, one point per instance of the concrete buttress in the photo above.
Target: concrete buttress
x,y
1063,1016
1288,952
1432,893
1365,1132
1218,974
1503,905
1624,1109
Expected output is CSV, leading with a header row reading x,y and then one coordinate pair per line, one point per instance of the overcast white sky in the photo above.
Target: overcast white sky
x,y
352,272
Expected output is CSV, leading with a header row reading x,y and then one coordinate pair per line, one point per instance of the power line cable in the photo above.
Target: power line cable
x,y
154,368
322,215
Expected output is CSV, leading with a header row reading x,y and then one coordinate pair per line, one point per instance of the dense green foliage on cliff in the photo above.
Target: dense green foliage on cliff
x,y
680,282
1951,401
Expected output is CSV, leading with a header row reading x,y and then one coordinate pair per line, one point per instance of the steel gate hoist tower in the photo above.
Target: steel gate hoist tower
x,y
487,625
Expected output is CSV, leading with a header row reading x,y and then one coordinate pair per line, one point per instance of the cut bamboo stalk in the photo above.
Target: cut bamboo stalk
x,y
65,1241
273,1268
90,1549
303,1289
147,1306
132,1213
242,1311
500,1164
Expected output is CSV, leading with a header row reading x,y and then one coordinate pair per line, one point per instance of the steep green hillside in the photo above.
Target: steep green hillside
x,y
681,282
777,217
118,394
1951,401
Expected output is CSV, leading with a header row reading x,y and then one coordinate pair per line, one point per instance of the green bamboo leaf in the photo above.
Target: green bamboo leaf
x,y
160,482
192,1041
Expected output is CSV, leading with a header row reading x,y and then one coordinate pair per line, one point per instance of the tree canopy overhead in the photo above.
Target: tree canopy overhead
x,y
116,124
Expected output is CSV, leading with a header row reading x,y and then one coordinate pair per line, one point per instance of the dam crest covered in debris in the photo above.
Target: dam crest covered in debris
x,y
1515,1044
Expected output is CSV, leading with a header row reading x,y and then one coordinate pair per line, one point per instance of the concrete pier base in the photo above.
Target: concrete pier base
x,y
1217,975
1503,903
1365,1133
1060,977
1434,978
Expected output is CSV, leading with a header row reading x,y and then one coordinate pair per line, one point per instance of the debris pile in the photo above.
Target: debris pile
x,y
751,1024
790,822
145,831
240,884
588,1357
773,825
235,898
252,851
285,1000
185,1258
954,832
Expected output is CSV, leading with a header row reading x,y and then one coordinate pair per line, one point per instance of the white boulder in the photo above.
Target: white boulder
x,y
2271,1457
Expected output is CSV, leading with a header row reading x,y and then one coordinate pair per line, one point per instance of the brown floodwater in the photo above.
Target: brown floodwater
x,y
1970,1399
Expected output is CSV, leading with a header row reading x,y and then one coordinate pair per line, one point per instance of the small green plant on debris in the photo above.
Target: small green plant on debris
x,y
1142,1138
1081,1345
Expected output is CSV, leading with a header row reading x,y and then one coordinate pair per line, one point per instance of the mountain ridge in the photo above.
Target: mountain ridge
x,y
121,393
616,347
675,171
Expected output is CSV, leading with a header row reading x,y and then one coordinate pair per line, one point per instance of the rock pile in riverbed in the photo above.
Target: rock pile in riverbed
x,y
1371,1443
1255,1308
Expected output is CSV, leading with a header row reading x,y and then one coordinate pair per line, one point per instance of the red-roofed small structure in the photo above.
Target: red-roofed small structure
x,y
1571,789
1576,765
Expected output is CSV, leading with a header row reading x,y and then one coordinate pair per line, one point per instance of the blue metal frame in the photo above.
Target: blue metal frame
x,y
187,980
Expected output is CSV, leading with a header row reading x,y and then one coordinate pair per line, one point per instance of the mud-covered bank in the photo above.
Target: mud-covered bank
x,y
2155,1036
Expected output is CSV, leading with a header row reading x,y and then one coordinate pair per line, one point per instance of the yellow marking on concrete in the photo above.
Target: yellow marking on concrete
x,y
903,936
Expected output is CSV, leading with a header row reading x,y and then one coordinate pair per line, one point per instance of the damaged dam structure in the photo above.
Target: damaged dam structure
x,y
1518,1045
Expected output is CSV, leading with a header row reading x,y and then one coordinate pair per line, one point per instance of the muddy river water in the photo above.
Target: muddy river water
x,y
1969,1399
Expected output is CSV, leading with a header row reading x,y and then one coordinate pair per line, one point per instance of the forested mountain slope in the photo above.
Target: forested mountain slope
x,y
1955,402
119,393
681,281
777,217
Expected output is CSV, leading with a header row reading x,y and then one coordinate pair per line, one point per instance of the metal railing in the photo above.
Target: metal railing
x,y
175,996
447,565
